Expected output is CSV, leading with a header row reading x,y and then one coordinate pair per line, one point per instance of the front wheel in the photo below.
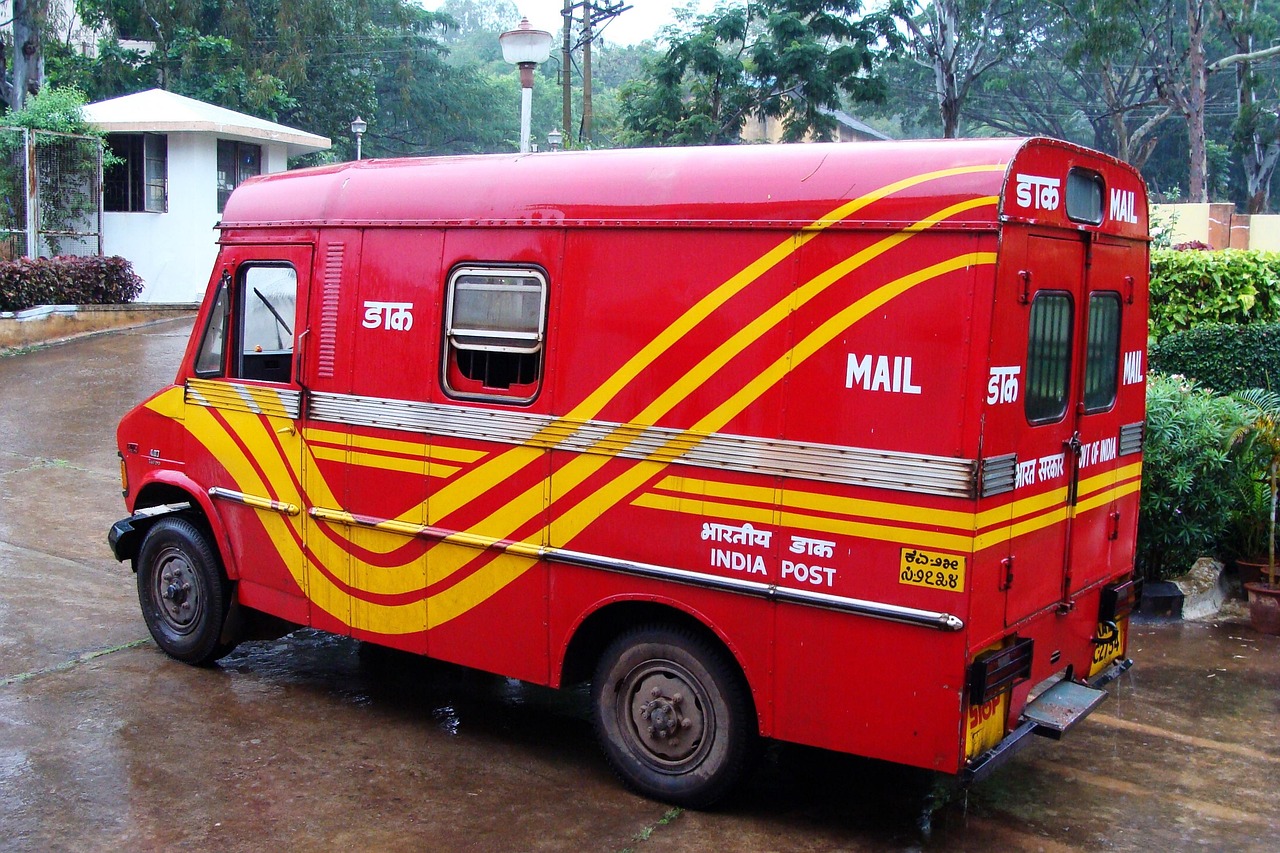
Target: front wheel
x,y
673,715
183,592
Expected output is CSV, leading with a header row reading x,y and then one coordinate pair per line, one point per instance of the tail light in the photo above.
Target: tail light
x,y
996,671
1118,601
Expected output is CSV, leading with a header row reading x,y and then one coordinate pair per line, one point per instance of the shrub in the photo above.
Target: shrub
x,y
1190,289
1223,357
1190,482
28,282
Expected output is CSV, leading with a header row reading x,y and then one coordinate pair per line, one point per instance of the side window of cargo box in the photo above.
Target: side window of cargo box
x,y
495,329
261,329
1049,356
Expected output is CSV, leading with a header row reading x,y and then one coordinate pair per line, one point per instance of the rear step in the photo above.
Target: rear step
x,y
1051,714
1060,707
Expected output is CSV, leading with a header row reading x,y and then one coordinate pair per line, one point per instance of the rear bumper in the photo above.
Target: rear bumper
x,y
1053,713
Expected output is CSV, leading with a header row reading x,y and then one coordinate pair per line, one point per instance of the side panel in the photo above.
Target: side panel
x,y
487,607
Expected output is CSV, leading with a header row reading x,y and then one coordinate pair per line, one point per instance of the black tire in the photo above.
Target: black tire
x,y
673,715
183,592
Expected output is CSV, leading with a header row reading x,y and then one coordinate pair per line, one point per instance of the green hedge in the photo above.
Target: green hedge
x,y
27,282
1196,288
1191,485
1223,357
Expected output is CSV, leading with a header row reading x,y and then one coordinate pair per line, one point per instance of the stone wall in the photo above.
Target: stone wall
x,y
49,323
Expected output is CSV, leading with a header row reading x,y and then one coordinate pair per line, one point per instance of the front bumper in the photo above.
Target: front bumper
x,y
125,536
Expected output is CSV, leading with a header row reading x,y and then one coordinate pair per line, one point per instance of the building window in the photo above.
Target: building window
x,y
495,329
139,181
237,162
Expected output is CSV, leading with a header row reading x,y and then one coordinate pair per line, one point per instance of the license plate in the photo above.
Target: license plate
x,y
1108,645
917,567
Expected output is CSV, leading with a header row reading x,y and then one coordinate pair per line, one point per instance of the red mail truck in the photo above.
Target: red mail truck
x,y
832,444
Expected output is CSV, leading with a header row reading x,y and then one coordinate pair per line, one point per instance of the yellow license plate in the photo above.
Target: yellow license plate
x,y
984,725
930,569
1108,645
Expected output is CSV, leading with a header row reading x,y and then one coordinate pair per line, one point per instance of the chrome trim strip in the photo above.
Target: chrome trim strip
x,y
879,469
771,592
254,501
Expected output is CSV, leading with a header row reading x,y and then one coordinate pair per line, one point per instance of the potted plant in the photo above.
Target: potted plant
x,y
1244,544
1258,436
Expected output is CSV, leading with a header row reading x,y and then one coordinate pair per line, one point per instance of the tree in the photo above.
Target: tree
x,y
960,41
1083,77
786,59
1256,133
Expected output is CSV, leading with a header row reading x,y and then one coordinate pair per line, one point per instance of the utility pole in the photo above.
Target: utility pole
x,y
595,14
566,71
587,36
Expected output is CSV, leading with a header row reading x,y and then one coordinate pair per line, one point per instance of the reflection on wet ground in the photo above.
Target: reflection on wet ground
x,y
321,742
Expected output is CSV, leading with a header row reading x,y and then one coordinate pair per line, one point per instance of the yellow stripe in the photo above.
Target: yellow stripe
x,y
706,306
382,463
697,376
387,445
571,522
763,515
855,507
962,542
825,333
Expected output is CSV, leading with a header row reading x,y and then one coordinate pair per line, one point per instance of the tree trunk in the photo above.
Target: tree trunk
x,y
945,32
1197,92
29,18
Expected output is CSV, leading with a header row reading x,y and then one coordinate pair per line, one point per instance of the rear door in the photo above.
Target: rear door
x,y
1058,334
1041,323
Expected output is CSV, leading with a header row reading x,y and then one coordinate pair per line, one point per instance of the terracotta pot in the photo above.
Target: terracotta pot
x,y
1252,571
1264,607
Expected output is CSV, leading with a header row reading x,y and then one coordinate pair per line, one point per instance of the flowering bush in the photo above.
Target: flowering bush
x,y
1190,482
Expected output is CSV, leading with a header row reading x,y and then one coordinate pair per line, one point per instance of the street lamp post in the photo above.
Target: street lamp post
x,y
525,47
358,127
555,138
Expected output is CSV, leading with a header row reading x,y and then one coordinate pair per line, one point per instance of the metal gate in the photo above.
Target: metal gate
x,y
50,194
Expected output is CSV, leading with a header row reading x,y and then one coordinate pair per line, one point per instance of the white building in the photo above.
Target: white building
x,y
182,158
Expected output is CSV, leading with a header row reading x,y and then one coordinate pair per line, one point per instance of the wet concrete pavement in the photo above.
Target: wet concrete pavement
x,y
315,741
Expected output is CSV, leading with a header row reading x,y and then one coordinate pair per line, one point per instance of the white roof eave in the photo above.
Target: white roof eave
x,y
156,111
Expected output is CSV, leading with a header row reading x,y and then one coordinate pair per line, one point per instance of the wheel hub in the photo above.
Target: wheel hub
x,y
179,597
666,721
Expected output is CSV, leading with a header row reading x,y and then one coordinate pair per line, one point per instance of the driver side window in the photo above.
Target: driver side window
x,y
250,332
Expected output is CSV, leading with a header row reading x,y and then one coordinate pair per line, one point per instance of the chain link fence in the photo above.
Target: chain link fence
x,y
50,194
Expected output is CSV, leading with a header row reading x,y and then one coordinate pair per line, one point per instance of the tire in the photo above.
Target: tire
x,y
673,716
183,592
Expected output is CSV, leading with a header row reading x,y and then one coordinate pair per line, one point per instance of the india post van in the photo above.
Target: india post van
x,y
831,444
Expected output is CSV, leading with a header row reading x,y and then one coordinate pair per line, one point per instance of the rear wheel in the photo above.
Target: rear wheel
x,y
183,592
673,716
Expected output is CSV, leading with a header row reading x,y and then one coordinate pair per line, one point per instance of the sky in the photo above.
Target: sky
x,y
641,21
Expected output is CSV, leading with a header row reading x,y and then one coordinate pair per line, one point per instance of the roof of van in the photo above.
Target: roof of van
x,y
785,185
